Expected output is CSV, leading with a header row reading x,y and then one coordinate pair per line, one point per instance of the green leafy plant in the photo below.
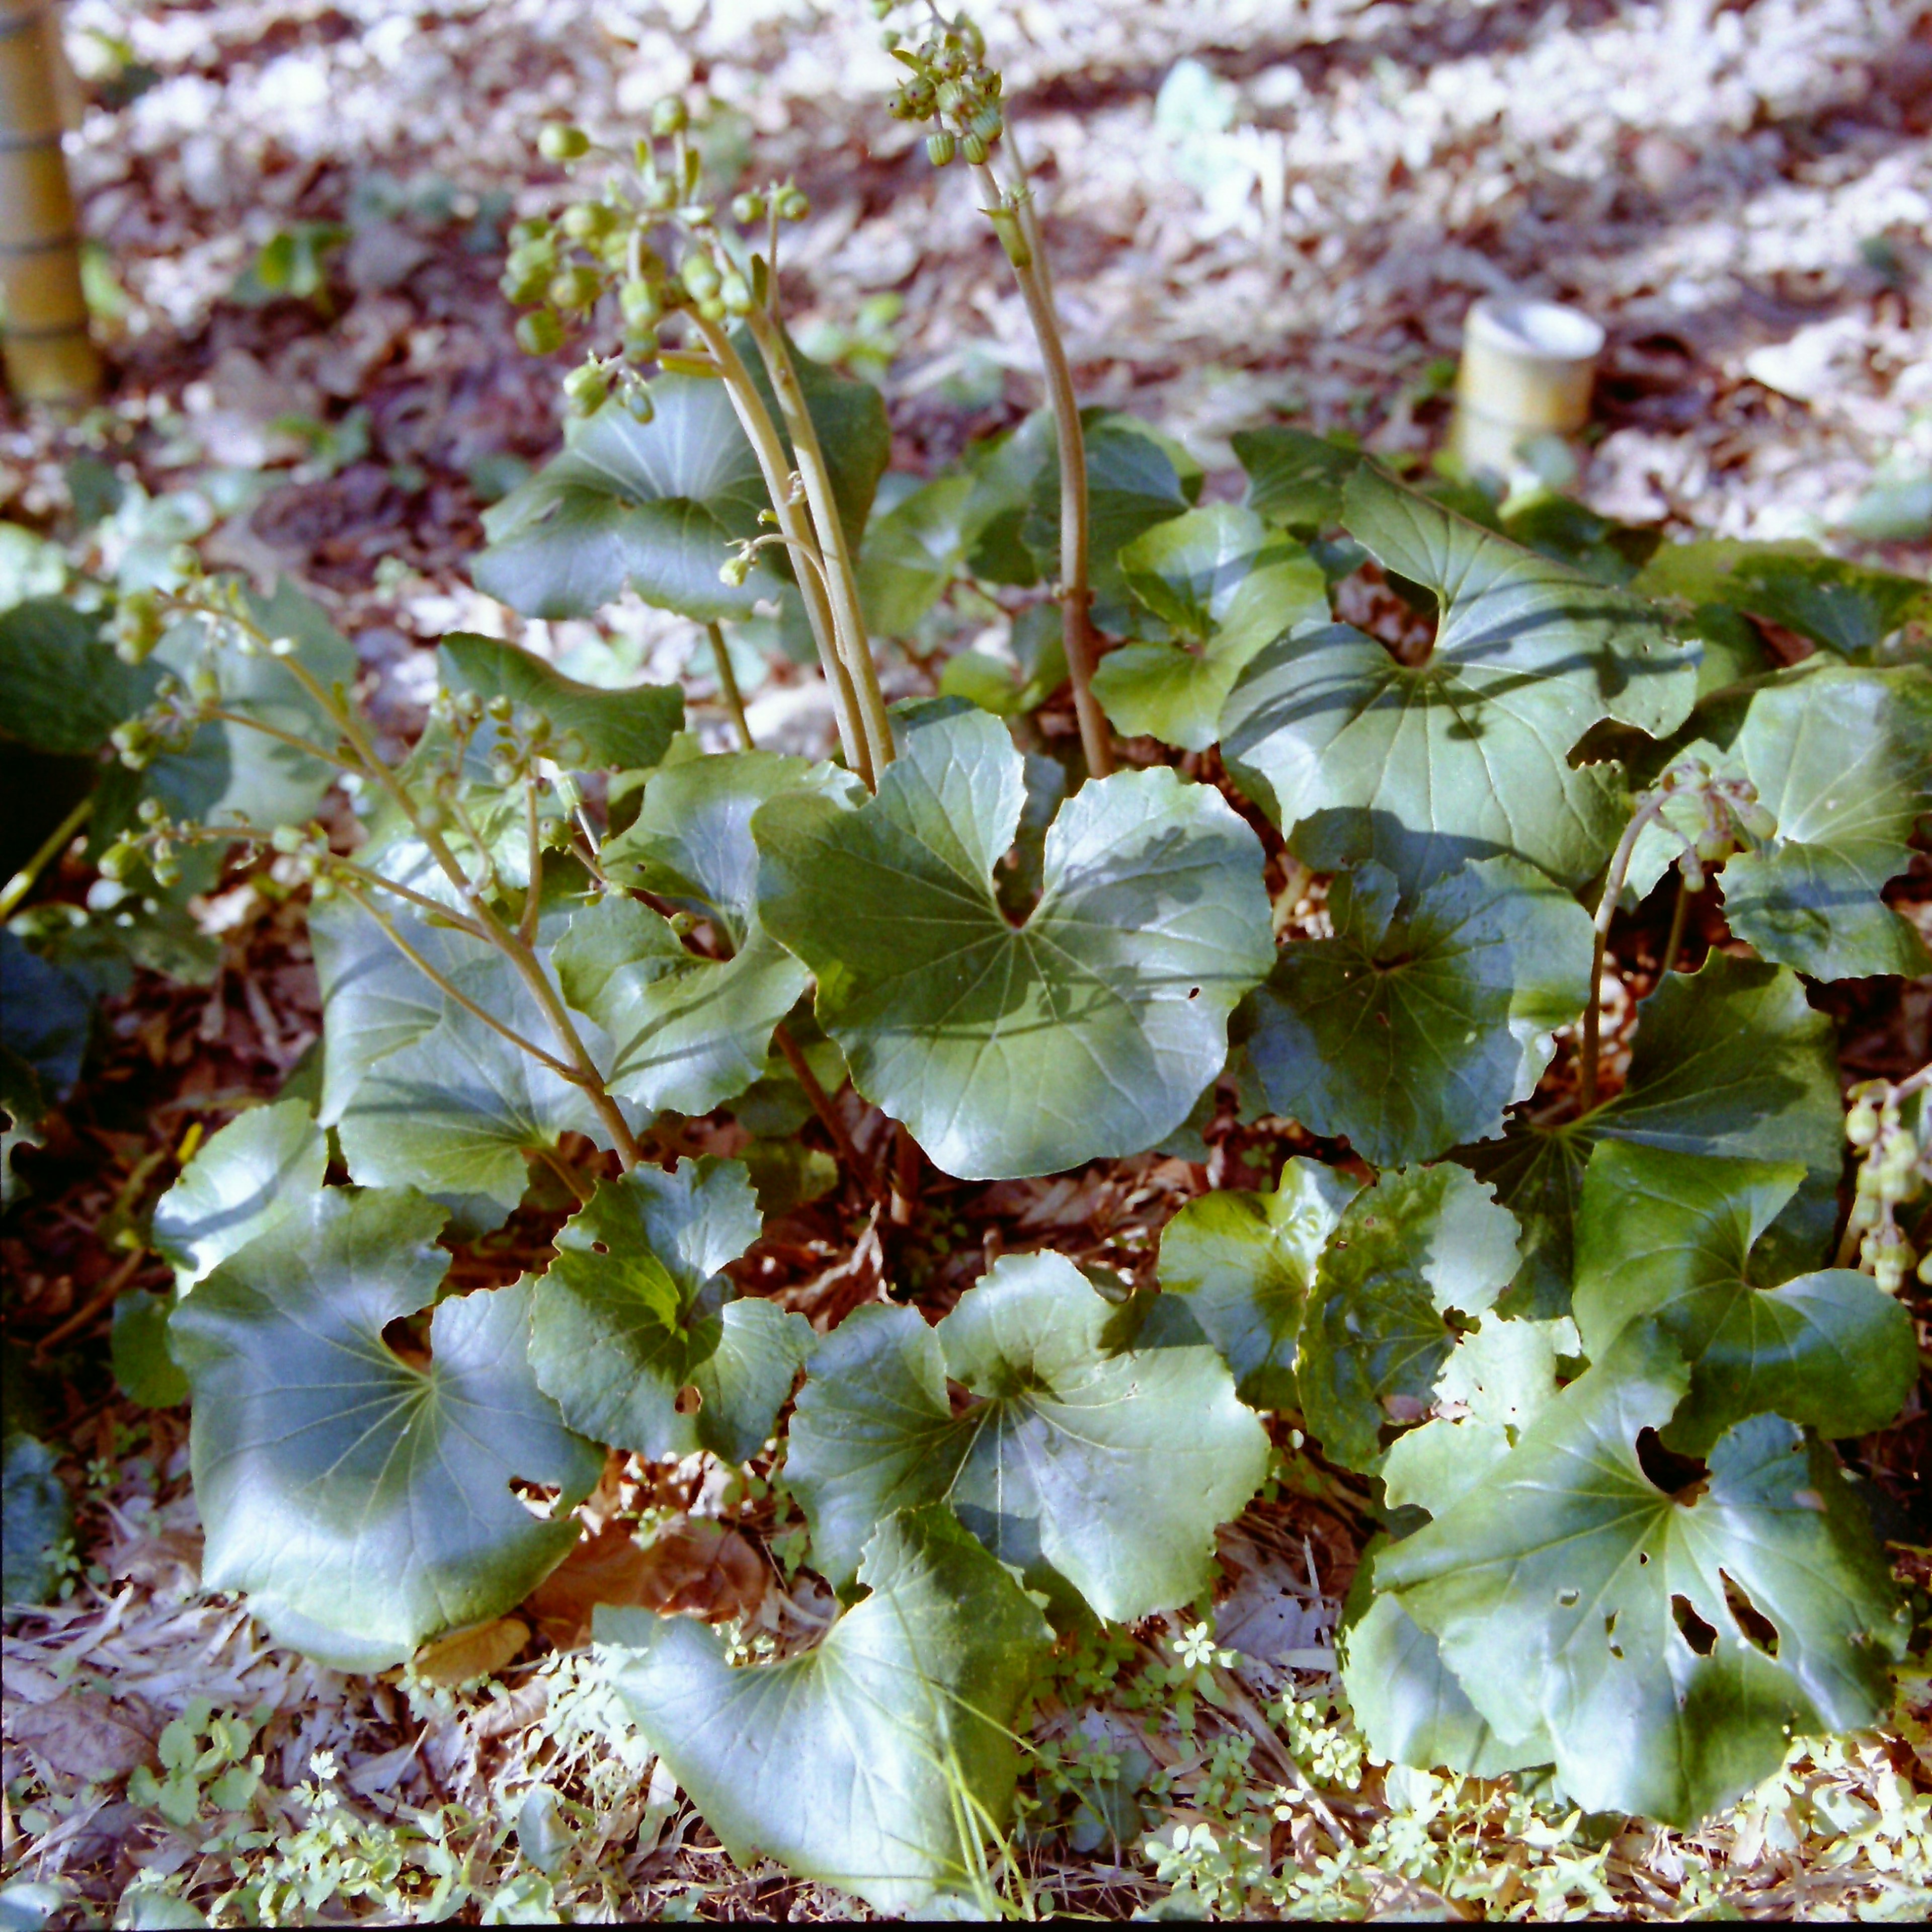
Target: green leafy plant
x,y
1589,1333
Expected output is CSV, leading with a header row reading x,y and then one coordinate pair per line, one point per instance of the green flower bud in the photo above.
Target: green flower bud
x,y
571,749
1861,1124
322,888
699,274
974,149
881,8
588,220
947,96
940,148
119,860
531,228
670,116
890,38
746,209
640,344
734,570
522,289
638,401
1757,819
642,304
576,287
560,141
585,389
500,708
660,193
713,310
151,811
735,293
793,203
988,123
166,870
540,333
138,626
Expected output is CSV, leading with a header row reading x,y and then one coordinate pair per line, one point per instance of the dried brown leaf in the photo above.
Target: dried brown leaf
x,y
472,1654
87,1738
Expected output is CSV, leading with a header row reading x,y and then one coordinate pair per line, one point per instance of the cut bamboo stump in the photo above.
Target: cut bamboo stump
x,y
49,356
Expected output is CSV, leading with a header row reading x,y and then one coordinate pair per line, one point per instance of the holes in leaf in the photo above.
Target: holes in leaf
x,y
1749,1618
600,1247
1694,1630
1566,1600
1680,1478
1610,1636
407,1338
1194,992
689,1399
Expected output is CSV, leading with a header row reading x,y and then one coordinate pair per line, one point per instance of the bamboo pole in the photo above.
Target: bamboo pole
x,y
49,357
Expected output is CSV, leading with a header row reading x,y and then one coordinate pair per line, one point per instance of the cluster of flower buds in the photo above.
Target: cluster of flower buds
x,y
1895,1168
154,842
1713,816
615,240
166,725
950,84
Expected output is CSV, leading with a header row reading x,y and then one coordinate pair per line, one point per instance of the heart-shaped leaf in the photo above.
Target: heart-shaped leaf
x,y
1417,1023
1842,759
1221,580
1670,1235
1421,1244
247,1178
1568,1592
1730,1061
62,689
422,1093
1088,1031
628,729
637,1334
1242,1265
1465,756
1107,1467
691,1030
902,1717
364,1501
1136,478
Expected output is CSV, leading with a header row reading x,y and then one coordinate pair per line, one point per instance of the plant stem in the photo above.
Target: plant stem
x,y
1678,914
728,686
1606,907
49,849
842,579
1076,594
821,1106
107,1293
526,925
762,433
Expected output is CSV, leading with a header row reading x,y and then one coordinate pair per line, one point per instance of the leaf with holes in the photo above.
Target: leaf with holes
x,y
1465,756
1226,584
1669,1646
1731,1060
902,1717
637,1334
1086,1032
1242,1264
629,730
422,1093
1080,1461
692,1030
247,1179
1670,1235
1419,1021
363,1500
1421,1244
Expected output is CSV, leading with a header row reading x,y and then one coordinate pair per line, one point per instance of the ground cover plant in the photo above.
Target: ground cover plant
x,y
1578,1333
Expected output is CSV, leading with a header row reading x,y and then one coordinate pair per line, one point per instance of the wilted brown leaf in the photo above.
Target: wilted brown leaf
x,y
693,1566
87,1738
479,1652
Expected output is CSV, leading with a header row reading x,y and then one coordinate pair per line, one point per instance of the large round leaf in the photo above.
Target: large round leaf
x,y
1568,1594
1730,1061
364,1501
1418,1023
1356,755
1670,1235
1242,1263
690,1030
1105,1466
635,1331
422,1093
1221,580
874,1762
249,1176
1420,1245
1085,1033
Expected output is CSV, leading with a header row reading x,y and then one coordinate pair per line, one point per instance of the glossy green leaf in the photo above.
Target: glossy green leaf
x,y
1417,1023
1087,1032
1567,1592
1465,756
36,1518
422,1093
629,729
656,507
364,1501
912,552
871,1762
1242,1264
1730,1061
1221,579
636,1332
144,1370
1669,1235
1136,478
1842,759
690,1030
1421,1244
1294,480
1108,1467
62,687
240,1183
